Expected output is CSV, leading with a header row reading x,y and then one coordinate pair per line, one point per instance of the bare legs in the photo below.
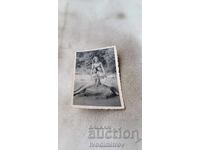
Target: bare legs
x,y
97,82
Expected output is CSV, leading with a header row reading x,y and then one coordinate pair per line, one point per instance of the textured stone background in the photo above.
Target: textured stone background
x,y
87,24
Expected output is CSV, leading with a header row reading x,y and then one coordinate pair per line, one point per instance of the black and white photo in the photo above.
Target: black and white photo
x,y
96,79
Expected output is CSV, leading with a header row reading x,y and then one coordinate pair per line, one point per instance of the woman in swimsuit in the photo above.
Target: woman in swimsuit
x,y
97,73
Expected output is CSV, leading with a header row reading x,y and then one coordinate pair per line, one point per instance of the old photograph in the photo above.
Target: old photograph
x,y
97,80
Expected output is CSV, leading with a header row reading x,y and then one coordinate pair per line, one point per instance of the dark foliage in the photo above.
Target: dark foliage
x,y
84,60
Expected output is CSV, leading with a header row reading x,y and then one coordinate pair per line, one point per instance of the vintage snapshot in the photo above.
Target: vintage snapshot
x,y
97,80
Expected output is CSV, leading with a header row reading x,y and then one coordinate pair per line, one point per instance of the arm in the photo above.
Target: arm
x,y
103,69
92,69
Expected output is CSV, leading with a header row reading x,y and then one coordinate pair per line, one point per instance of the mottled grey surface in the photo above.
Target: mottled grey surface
x,y
87,24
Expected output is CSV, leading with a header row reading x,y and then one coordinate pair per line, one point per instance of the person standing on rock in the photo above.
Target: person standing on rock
x,y
97,73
